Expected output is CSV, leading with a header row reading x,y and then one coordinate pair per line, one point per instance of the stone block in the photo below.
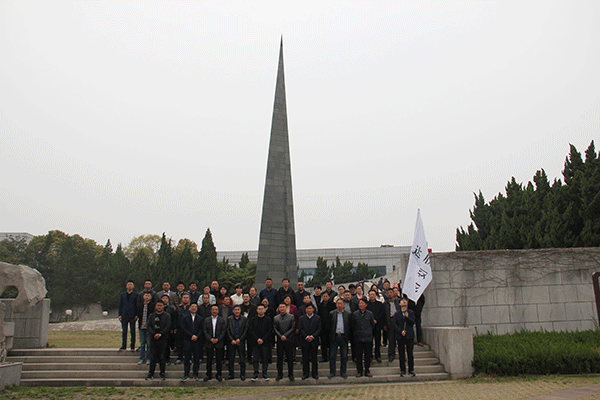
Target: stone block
x,y
551,312
442,279
564,326
466,316
449,297
580,311
536,294
503,329
522,313
539,326
563,293
441,317
480,296
508,296
495,314
585,292
454,348
10,374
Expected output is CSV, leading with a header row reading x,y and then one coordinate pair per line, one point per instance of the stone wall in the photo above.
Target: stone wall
x,y
31,327
507,290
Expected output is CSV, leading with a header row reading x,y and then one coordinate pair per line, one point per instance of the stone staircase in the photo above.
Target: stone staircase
x,y
110,367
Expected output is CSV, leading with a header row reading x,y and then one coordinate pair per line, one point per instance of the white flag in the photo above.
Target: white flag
x,y
418,272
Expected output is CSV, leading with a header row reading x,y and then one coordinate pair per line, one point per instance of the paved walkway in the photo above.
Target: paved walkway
x,y
109,324
437,390
571,394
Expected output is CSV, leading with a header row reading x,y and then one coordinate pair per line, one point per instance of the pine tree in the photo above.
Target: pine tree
x,y
207,260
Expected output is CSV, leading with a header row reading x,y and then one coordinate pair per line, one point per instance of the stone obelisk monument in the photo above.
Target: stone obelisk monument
x,y
277,243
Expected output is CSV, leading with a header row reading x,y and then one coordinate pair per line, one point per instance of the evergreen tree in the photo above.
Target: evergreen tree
x,y
163,271
322,273
207,260
540,215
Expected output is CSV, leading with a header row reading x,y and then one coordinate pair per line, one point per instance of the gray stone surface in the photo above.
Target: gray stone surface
x,y
31,288
10,374
277,242
31,327
454,347
505,291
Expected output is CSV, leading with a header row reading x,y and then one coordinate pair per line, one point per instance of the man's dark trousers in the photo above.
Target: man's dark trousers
x,y
409,344
285,348
391,331
239,350
158,353
192,349
213,351
341,342
260,352
363,349
309,356
128,322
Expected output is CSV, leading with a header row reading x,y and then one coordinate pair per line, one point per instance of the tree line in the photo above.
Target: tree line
x,y
79,272
540,215
340,272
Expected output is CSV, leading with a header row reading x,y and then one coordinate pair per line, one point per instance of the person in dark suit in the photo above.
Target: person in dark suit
x,y
339,335
376,307
192,332
261,330
128,313
310,330
391,305
215,329
159,325
237,330
405,335
326,306
363,324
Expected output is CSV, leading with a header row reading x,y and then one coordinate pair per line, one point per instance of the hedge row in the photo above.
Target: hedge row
x,y
538,353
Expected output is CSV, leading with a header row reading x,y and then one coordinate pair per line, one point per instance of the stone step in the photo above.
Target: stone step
x,y
140,373
133,366
53,352
110,367
30,355
172,381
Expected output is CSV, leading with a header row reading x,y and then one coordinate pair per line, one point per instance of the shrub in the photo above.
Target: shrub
x,y
538,353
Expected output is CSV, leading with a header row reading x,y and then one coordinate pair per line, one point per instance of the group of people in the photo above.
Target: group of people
x,y
219,326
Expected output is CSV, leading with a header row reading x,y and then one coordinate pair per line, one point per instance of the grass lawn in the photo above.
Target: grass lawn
x,y
84,339
480,387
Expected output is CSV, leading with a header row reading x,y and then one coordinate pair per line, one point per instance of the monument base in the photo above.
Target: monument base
x,y
10,374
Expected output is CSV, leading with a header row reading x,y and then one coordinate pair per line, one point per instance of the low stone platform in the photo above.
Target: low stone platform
x,y
110,367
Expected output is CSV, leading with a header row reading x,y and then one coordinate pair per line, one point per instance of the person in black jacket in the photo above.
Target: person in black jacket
x,y
405,336
237,330
215,330
376,307
326,306
169,309
362,328
391,305
284,326
128,314
261,328
310,331
159,324
340,333
192,333
181,311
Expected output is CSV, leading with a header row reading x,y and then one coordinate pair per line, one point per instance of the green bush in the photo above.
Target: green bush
x,y
539,353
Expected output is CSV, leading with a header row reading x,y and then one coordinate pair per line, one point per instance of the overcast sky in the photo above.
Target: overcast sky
x,y
123,118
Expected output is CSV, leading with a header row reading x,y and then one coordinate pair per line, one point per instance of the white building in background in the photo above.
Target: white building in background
x,y
16,236
383,259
